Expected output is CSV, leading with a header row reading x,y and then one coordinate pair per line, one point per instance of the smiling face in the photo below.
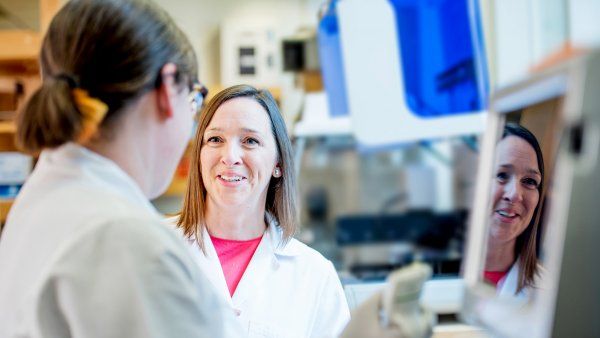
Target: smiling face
x,y
238,156
515,189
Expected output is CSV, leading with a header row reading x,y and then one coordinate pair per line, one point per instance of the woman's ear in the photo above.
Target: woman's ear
x,y
167,90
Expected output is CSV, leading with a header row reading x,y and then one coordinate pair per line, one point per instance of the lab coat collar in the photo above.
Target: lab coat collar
x,y
275,236
508,285
211,266
95,169
265,260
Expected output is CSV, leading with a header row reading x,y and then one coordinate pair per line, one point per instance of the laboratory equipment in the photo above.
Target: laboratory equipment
x,y
413,70
395,310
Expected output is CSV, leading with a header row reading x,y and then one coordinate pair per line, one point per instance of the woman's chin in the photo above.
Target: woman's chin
x,y
232,202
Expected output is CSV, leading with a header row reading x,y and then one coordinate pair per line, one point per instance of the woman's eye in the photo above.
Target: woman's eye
x,y
213,139
252,141
502,176
530,182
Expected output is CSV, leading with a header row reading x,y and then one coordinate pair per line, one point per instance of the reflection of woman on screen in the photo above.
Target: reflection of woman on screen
x,y
511,262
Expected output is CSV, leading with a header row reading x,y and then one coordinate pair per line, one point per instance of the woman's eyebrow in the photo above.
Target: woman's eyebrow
x,y
214,129
252,131
534,172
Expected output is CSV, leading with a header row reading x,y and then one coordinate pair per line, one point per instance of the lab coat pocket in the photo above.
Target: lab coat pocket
x,y
263,330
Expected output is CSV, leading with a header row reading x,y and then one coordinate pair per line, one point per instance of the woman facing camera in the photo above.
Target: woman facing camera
x,y
239,216
511,262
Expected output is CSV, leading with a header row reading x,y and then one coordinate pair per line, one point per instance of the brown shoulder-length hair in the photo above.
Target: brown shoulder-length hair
x,y
282,191
526,243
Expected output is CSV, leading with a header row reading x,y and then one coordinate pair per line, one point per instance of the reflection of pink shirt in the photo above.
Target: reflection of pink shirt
x,y
234,257
494,276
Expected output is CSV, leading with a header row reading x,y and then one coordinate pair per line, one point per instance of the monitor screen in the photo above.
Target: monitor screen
x,y
519,199
509,284
532,244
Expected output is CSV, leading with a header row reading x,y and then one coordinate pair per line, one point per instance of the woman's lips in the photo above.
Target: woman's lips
x,y
231,179
506,216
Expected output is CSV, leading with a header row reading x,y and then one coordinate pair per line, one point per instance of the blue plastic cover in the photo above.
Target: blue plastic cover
x,y
444,69
330,55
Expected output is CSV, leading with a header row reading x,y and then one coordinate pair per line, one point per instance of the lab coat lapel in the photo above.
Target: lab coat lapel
x,y
510,282
263,263
211,266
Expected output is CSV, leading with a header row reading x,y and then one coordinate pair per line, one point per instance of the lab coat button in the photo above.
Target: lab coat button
x,y
237,312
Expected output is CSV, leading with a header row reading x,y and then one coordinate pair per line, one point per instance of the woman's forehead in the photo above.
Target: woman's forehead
x,y
515,152
243,113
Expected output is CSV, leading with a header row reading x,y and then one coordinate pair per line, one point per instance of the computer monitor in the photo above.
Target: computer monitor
x,y
531,265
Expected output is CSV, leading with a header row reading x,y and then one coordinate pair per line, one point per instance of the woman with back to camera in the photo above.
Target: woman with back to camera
x,y
239,216
84,253
511,262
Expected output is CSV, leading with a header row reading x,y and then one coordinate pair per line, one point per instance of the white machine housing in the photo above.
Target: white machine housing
x,y
374,82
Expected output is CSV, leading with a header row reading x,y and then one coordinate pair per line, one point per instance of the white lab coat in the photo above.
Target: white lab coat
x,y
286,291
507,286
84,254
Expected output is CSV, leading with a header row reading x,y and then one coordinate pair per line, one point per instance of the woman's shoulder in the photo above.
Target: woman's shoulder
x,y
171,223
137,240
305,255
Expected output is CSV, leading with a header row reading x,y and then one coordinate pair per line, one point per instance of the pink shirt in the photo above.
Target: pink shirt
x,y
234,257
494,277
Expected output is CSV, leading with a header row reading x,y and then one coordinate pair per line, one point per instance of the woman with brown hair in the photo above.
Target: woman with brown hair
x,y
239,216
84,253
511,262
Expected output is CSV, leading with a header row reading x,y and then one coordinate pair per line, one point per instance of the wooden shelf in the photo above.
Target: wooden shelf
x,y
5,205
19,67
7,127
7,136
19,64
24,45
179,182
177,187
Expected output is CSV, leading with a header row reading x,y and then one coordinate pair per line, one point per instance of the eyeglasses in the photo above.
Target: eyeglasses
x,y
198,92
197,95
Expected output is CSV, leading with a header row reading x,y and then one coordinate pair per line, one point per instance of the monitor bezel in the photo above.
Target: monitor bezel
x,y
481,306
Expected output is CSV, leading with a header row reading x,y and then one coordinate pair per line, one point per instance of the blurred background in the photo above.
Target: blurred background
x,y
385,102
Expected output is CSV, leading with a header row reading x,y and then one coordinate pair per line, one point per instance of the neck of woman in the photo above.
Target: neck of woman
x,y
499,256
236,224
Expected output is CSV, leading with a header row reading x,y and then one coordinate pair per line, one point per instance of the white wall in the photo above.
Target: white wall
x,y
201,20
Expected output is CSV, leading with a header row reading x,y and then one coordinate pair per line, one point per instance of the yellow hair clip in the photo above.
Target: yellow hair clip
x,y
93,111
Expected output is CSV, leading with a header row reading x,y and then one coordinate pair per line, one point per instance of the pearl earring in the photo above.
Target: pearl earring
x,y
277,172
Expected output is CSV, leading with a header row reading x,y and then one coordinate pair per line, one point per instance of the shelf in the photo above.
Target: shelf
x,y
179,182
19,67
177,187
24,45
7,136
5,205
21,55
7,127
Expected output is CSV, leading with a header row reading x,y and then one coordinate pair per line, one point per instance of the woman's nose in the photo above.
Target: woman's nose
x,y
512,192
231,154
